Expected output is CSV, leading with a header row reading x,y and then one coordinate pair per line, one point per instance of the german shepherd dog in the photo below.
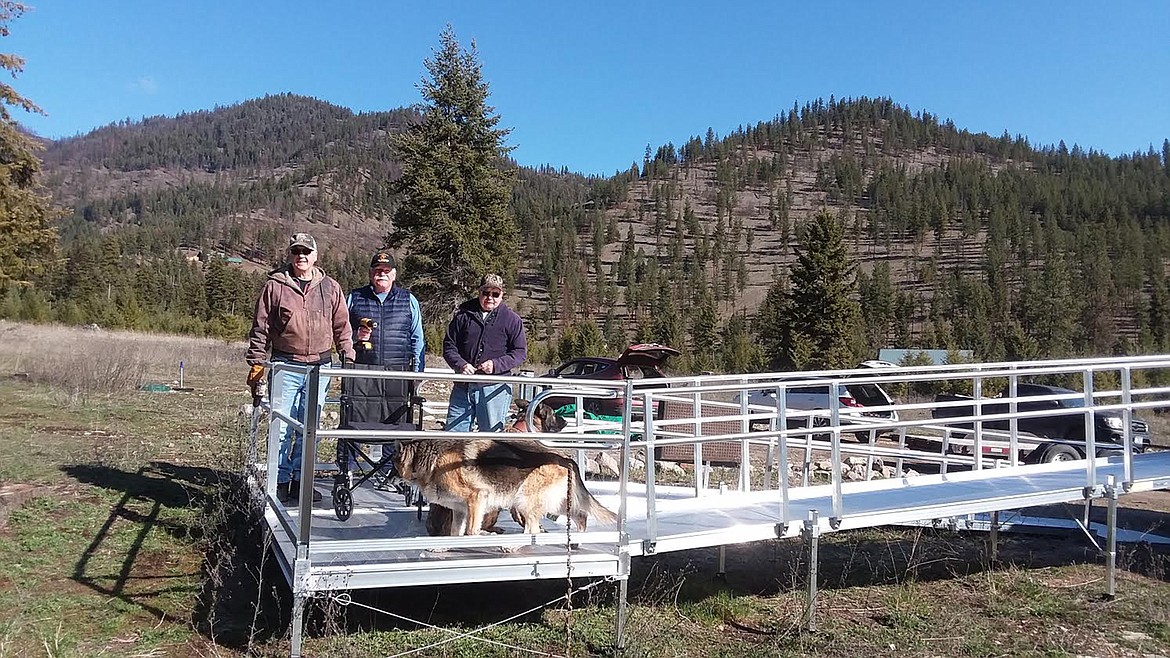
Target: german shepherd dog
x,y
545,419
475,477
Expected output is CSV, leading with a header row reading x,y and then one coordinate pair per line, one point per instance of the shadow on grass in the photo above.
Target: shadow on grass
x,y
240,599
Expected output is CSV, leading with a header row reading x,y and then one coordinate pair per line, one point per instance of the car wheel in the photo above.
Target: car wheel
x,y
821,421
1058,452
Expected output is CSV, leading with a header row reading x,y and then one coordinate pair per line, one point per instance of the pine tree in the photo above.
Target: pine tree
x,y
770,324
823,310
27,237
454,220
705,333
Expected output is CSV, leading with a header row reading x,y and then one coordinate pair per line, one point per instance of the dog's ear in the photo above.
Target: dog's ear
x,y
402,456
521,404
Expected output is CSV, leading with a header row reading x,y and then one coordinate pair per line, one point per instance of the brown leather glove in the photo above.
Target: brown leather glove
x,y
255,375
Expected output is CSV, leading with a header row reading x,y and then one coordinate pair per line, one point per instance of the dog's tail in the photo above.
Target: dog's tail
x,y
584,504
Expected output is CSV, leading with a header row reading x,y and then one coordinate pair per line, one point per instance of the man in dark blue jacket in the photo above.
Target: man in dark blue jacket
x,y
484,337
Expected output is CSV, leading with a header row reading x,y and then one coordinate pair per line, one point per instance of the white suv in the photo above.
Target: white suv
x,y
852,399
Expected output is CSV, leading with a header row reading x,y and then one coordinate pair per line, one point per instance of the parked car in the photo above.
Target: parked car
x,y
852,400
643,361
1066,431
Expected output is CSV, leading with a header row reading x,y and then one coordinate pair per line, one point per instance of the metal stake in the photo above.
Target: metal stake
x,y
298,625
622,612
812,535
994,537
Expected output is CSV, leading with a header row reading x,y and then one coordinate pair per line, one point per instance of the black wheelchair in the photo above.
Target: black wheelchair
x,y
369,403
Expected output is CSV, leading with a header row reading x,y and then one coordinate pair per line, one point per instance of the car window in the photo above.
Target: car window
x,y
868,394
633,372
588,368
575,368
810,390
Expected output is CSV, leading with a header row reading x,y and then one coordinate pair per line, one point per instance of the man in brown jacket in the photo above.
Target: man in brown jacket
x,y
300,317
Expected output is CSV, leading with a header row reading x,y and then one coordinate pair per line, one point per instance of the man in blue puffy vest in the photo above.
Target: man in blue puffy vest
x,y
393,336
387,326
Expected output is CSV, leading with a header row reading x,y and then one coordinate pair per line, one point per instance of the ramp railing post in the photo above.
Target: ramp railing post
x,y
1111,540
782,467
1127,431
835,450
697,450
1090,433
812,536
977,449
276,428
651,511
623,509
745,462
1013,422
310,419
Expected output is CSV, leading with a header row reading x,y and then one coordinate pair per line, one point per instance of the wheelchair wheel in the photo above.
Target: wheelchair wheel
x,y
342,501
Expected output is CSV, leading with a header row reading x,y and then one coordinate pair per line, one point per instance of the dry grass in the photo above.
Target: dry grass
x,y
82,364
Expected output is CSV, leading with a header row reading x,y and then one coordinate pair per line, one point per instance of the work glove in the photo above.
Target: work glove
x,y
255,375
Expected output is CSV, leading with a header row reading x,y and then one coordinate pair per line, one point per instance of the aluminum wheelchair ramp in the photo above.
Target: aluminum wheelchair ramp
x,y
355,554
384,544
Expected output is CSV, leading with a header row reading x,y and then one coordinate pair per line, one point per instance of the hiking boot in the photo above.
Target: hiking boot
x,y
283,492
294,492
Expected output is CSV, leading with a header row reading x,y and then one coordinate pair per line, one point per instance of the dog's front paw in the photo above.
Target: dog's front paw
x,y
510,549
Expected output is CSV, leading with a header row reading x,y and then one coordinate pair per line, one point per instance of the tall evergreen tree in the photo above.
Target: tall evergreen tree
x,y
456,183
27,237
823,315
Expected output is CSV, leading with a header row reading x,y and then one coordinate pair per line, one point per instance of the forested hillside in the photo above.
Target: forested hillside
x,y
961,240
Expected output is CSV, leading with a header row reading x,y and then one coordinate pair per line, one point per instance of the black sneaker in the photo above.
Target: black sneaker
x,y
282,492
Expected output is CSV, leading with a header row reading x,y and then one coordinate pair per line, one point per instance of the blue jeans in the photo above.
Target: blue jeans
x,y
289,390
487,404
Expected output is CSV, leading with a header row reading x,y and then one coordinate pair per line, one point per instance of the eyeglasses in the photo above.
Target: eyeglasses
x,y
300,251
381,272
494,294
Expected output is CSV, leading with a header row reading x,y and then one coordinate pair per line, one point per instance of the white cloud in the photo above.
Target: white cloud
x,y
145,85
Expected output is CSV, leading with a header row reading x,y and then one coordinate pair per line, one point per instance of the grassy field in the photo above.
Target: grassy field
x,y
124,531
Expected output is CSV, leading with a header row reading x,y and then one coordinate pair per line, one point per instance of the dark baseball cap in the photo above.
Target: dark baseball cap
x,y
383,259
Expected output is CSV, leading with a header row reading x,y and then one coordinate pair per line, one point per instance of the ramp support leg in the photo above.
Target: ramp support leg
x,y
298,625
721,571
993,538
812,536
1111,541
622,612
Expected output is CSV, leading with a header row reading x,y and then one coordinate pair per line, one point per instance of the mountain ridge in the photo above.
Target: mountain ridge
x,y
717,214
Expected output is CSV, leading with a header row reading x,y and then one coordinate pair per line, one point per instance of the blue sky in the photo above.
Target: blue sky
x,y
588,85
